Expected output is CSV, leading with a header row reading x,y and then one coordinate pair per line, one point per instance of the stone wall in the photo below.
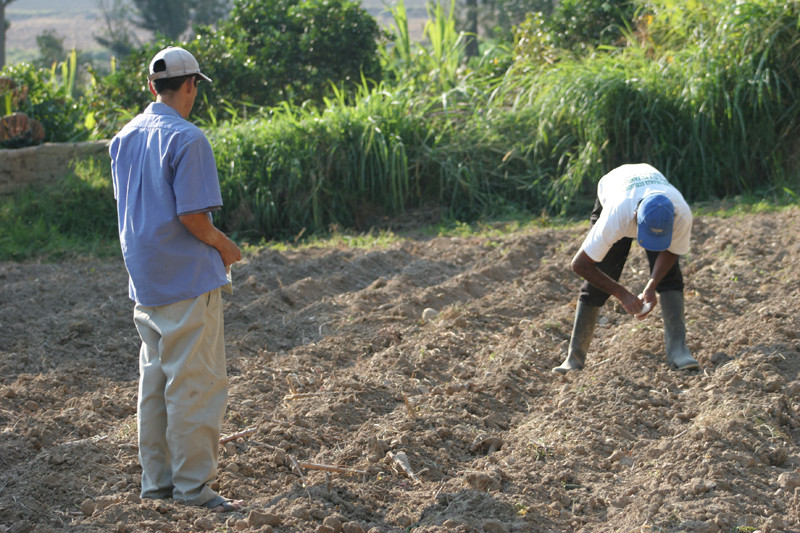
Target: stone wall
x,y
45,163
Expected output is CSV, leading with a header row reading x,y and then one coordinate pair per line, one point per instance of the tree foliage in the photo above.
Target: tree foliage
x,y
295,49
574,27
4,24
172,18
267,52
117,35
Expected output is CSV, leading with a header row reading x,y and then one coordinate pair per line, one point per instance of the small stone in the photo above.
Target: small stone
x,y
258,518
719,357
248,403
494,526
696,526
301,512
481,481
789,481
429,314
324,529
616,456
352,527
774,382
334,523
88,506
23,526
230,449
203,524
772,524
699,486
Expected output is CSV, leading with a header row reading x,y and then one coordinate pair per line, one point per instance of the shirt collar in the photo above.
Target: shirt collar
x,y
159,108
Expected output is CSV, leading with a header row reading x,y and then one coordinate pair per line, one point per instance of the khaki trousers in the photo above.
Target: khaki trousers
x,y
182,397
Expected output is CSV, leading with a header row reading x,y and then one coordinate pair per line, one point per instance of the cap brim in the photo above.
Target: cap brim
x,y
163,75
654,243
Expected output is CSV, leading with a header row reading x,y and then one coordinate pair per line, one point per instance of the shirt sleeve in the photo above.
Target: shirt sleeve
x,y
681,232
604,233
612,225
196,184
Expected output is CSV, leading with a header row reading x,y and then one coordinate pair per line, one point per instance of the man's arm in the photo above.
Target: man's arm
x,y
664,262
586,267
199,225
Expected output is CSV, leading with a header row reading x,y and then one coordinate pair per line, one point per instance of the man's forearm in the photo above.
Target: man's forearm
x,y
201,227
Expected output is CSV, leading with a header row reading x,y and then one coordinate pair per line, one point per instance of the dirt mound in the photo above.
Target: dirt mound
x,y
448,422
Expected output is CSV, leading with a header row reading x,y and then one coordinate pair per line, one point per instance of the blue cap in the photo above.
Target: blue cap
x,y
655,217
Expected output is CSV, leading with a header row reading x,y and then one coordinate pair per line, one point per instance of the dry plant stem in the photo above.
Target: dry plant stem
x,y
409,407
238,435
289,381
331,468
296,468
401,460
307,395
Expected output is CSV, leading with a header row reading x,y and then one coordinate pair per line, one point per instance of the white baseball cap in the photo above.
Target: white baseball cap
x,y
178,62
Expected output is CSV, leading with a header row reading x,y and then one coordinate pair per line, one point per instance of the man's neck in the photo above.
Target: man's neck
x,y
175,102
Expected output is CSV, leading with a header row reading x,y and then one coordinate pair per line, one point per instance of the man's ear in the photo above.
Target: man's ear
x,y
152,88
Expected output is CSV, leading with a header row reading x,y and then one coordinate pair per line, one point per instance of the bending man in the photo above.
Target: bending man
x,y
633,201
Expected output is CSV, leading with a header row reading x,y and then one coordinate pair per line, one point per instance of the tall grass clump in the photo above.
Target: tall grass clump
x,y
309,169
75,216
717,114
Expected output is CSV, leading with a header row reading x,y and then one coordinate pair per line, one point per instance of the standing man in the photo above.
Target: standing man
x,y
633,201
166,186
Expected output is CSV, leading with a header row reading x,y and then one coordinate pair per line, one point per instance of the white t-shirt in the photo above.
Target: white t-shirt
x,y
620,192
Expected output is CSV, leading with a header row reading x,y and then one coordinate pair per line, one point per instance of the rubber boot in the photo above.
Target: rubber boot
x,y
678,354
582,331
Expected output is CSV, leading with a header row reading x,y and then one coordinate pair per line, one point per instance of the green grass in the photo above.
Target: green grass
x,y
76,216
717,115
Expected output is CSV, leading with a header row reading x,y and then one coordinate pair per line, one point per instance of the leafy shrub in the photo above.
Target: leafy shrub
x,y
267,52
574,27
297,49
49,102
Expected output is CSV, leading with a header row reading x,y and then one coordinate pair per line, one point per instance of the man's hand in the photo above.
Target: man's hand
x,y
586,267
649,296
632,304
229,252
200,225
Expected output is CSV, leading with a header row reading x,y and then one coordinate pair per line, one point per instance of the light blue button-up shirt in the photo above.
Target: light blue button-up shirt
x,y
162,167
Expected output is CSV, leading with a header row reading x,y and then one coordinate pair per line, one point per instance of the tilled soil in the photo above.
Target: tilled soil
x,y
334,361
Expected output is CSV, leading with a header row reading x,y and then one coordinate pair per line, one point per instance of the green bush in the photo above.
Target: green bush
x,y
49,100
267,52
574,27
297,49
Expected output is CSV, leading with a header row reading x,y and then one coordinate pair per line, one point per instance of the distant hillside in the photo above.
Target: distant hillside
x,y
78,21
60,5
